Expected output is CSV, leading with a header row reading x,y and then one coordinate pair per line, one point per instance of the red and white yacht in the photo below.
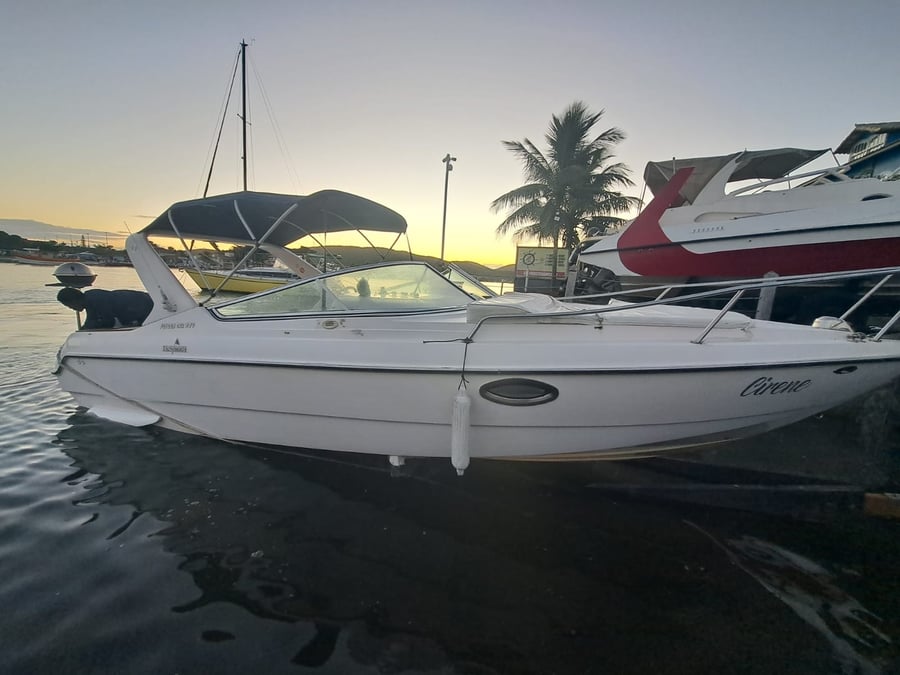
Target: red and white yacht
x,y
694,231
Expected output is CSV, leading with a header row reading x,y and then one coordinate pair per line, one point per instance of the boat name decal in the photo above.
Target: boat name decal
x,y
173,326
766,385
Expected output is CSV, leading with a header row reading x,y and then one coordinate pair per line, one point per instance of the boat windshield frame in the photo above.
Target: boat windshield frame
x,y
404,287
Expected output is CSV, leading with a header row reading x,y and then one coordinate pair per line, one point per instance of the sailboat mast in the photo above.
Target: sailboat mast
x,y
242,59
244,107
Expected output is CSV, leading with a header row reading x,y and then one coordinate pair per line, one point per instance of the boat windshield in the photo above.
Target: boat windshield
x,y
389,287
467,282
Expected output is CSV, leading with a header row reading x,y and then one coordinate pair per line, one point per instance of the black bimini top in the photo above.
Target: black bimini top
x,y
250,217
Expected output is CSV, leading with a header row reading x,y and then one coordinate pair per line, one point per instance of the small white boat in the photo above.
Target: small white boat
x,y
692,230
33,257
396,359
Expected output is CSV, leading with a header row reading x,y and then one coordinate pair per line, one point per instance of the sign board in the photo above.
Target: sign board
x,y
534,269
537,262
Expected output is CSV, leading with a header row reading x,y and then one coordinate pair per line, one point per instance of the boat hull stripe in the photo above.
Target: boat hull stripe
x,y
501,372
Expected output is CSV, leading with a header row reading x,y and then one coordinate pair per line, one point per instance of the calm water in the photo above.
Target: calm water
x,y
139,551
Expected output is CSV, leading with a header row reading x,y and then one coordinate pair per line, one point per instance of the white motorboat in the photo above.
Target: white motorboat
x,y
399,360
692,230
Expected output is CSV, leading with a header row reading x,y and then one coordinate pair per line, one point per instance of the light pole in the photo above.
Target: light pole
x,y
448,164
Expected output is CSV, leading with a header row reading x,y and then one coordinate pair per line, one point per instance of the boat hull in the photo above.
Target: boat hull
x,y
785,254
602,409
209,281
24,259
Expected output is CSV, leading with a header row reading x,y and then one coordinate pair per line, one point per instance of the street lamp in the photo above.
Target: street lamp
x,y
448,164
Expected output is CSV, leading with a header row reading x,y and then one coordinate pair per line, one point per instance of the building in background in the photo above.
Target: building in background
x,y
874,150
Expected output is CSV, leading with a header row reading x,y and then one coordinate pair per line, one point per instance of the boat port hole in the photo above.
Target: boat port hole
x,y
518,391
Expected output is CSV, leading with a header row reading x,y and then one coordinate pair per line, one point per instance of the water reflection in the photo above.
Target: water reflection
x,y
514,568
814,594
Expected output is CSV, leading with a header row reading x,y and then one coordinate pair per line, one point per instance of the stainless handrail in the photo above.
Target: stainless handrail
x,y
786,280
712,324
721,289
868,295
886,327
827,171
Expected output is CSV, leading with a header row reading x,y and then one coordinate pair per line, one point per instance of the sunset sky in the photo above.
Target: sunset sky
x,y
110,107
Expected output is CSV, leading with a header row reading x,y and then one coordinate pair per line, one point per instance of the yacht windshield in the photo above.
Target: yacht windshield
x,y
392,287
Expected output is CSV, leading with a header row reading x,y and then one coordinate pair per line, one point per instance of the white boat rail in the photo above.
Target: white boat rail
x,y
837,172
720,289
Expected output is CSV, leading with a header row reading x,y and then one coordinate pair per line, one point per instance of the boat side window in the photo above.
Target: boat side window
x,y
388,288
314,296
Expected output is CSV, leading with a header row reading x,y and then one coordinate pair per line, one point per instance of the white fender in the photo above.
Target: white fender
x,y
459,434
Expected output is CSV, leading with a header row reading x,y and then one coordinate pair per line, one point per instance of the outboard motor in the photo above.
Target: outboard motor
x,y
832,323
74,274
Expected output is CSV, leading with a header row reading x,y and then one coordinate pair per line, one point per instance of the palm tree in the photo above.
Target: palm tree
x,y
574,186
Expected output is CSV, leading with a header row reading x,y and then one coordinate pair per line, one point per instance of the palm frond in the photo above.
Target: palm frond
x,y
574,185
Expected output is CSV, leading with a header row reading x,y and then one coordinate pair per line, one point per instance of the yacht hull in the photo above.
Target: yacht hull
x,y
748,256
632,405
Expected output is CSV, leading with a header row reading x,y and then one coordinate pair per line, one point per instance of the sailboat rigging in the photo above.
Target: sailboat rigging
x,y
242,60
242,278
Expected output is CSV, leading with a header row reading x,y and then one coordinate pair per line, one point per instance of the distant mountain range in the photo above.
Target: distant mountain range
x,y
351,256
33,229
